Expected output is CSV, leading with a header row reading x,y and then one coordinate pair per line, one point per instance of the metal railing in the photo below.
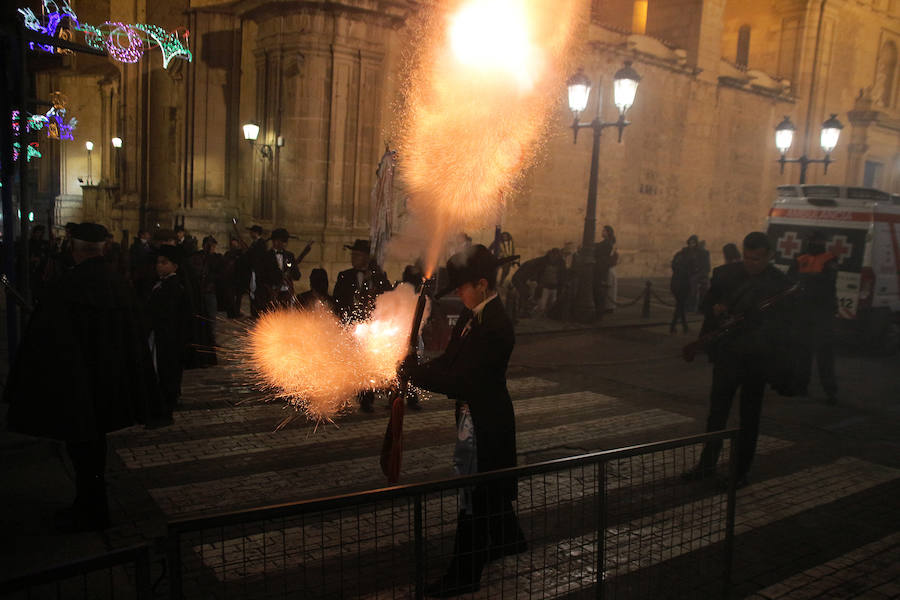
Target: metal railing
x,y
612,524
123,573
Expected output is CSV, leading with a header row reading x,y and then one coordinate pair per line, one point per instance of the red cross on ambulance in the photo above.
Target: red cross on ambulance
x,y
840,248
789,245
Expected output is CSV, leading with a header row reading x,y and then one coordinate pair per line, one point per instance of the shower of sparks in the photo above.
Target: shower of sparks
x,y
318,364
478,100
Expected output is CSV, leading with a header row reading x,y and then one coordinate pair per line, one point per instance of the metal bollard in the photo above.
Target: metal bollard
x,y
645,312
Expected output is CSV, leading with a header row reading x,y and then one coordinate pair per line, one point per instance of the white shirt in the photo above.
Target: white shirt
x,y
476,314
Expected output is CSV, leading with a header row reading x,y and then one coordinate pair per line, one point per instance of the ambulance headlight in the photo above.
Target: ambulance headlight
x,y
831,131
784,135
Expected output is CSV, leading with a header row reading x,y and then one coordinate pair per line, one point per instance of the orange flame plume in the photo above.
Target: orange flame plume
x,y
478,100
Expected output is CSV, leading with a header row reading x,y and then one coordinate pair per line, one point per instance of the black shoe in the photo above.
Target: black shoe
x,y
496,552
448,587
698,473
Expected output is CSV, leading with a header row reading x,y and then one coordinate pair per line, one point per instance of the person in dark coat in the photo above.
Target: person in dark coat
x,y
171,319
817,271
208,267
604,251
251,259
185,241
731,253
142,264
357,287
472,371
83,370
277,270
740,361
354,295
318,292
234,279
685,266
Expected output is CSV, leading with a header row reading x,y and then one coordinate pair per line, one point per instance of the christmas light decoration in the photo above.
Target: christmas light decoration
x,y
123,42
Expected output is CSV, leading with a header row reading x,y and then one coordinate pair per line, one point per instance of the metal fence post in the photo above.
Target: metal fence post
x,y
601,526
173,554
645,309
419,548
729,516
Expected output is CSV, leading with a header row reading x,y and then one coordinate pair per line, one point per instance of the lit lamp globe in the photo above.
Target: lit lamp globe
x,y
625,84
579,90
784,135
831,131
117,142
251,131
89,145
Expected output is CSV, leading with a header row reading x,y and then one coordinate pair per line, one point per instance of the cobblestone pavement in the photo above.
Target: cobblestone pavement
x,y
819,519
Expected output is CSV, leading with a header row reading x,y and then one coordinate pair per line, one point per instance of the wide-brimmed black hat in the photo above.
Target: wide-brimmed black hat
x,y
474,263
210,240
89,232
280,234
173,253
360,246
256,228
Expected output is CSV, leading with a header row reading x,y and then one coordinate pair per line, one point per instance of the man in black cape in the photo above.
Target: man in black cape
x,y
472,371
83,370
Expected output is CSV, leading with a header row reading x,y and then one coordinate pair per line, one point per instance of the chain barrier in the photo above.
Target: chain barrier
x,y
661,301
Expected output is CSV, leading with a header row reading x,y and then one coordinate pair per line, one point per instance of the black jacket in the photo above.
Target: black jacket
x,y
270,274
354,301
83,367
761,331
473,370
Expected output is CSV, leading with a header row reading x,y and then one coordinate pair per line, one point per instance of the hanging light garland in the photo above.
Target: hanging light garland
x,y
123,42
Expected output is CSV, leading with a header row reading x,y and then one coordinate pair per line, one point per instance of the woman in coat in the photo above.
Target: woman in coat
x,y
472,371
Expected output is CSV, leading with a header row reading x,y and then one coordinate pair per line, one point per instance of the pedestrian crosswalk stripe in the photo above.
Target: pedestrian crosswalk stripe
x,y
829,579
316,480
163,453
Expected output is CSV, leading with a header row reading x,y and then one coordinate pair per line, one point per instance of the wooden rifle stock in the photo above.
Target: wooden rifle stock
x,y
392,445
689,351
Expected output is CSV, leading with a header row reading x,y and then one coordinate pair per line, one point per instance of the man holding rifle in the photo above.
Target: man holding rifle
x,y
741,294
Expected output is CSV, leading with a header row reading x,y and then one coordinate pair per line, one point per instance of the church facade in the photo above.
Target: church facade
x,y
322,80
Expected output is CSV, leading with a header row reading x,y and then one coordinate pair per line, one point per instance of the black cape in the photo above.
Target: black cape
x,y
83,368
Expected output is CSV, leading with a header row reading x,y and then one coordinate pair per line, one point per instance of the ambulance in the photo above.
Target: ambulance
x,y
862,228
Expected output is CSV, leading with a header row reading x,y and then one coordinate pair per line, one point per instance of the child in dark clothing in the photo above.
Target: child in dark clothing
x,y
170,319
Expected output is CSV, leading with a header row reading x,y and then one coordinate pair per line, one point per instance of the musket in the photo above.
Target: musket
x,y
237,232
733,323
392,445
4,281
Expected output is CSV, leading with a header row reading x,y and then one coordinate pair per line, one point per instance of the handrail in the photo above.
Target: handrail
x,y
288,509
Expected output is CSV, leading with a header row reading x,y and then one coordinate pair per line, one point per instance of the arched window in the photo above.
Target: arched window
x,y
743,46
885,74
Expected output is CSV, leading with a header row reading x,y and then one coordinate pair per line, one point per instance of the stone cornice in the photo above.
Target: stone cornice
x,y
392,12
865,118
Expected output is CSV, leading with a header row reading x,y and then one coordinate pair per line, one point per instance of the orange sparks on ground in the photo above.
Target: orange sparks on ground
x,y
319,364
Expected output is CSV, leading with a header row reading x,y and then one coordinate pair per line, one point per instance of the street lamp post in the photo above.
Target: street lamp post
x,y
117,144
625,83
89,145
784,137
